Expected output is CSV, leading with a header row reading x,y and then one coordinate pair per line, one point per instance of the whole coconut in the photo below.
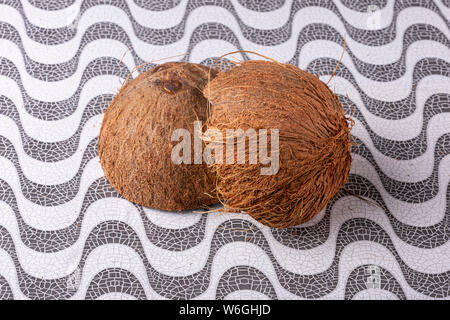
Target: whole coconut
x,y
135,139
314,141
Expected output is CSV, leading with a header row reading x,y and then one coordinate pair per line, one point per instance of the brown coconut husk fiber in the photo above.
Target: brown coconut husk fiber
x,y
314,141
135,139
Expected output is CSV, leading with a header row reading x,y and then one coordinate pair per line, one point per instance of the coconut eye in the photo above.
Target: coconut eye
x,y
171,86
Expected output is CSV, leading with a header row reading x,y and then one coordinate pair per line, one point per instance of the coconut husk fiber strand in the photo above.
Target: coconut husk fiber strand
x,y
135,138
314,141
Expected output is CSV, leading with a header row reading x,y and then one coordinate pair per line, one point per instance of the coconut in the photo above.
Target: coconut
x,y
313,144
135,144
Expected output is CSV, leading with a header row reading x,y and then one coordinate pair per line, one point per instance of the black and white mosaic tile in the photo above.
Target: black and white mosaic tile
x,y
66,234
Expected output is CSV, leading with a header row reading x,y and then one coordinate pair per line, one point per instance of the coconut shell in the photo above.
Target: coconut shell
x,y
135,139
314,141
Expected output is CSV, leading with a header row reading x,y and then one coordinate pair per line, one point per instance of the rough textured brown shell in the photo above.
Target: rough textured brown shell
x,y
135,139
314,141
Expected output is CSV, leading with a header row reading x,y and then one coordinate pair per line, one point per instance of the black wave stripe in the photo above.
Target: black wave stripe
x,y
157,5
392,110
363,5
368,37
359,280
317,31
271,37
402,149
110,232
213,31
43,194
359,229
205,31
267,37
59,150
51,5
52,195
112,31
412,192
318,285
60,35
179,287
108,30
106,65
33,287
422,237
308,237
300,238
174,239
188,287
5,290
61,71
52,240
115,280
57,110
244,278
56,240
262,6
378,72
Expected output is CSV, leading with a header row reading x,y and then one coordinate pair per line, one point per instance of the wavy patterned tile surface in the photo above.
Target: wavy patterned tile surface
x,y
66,234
